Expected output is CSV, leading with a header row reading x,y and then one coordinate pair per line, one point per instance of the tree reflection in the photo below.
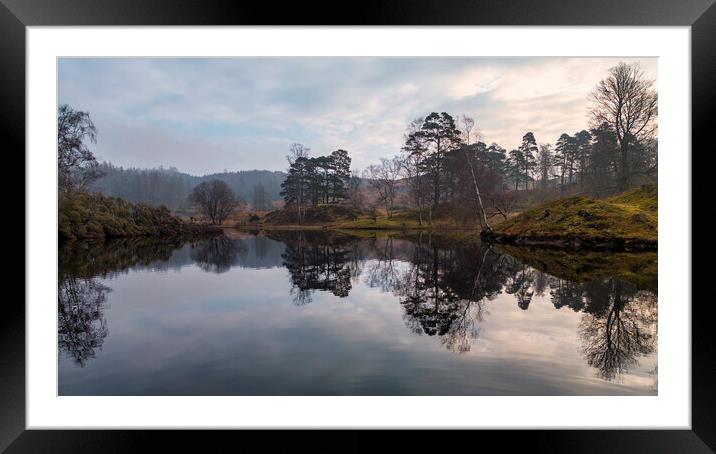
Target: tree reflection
x,y
443,288
107,258
317,262
218,254
263,246
615,334
521,285
82,326
566,293
442,292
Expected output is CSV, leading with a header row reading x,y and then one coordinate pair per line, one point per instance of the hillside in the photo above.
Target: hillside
x,y
94,216
628,221
170,188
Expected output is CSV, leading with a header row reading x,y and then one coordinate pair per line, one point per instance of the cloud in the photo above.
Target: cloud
x,y
207,114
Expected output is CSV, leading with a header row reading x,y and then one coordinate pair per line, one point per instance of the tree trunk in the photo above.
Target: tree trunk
x,y
483,218
624,174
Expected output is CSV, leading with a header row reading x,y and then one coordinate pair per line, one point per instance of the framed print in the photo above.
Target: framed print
x,y
415,216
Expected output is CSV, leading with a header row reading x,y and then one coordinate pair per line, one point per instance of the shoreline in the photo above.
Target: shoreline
x,y
567,242
573,242
334,227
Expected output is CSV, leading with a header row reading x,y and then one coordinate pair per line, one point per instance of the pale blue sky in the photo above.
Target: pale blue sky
x,y
204,115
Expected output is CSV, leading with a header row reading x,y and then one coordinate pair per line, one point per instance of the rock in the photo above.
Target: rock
x,y
544,215
585,214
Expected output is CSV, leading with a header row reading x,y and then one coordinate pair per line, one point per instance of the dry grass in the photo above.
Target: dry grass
x,y
93,215
629,216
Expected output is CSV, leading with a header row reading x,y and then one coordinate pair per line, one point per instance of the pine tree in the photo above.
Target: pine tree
x,y
528,155
564,158
544,164
582,151
340,176
439,131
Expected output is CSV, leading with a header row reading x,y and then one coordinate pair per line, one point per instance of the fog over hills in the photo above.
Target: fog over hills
x,y
169,187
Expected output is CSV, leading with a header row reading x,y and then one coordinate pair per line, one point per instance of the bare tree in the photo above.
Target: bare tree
x,y
81,324
410,165
614,340
215,199
76,165
297,150
355,194
298,158
469,123
218,254
627,102
503,202
382,177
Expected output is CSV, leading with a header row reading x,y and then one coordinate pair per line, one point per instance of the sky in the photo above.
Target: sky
x,y
205,115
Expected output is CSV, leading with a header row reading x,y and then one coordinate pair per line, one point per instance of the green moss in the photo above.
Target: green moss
x,y
94,216
630,217
645,198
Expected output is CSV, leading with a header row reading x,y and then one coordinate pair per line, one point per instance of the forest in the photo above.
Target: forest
x,y
170,187
444,173
445,167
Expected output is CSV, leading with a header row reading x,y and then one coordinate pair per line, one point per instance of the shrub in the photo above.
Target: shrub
x,y
93,215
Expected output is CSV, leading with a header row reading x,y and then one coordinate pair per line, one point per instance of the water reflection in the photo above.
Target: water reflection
x,y
81,324
317,261
444,289
217,255
618,327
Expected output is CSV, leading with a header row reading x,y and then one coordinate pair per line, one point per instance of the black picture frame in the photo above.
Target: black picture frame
x,y
16,15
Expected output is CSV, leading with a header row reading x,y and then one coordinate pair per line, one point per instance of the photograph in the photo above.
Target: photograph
x,y
357,226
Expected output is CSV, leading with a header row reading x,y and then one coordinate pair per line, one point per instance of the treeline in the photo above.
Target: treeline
x,y
316,180
171,188
442,163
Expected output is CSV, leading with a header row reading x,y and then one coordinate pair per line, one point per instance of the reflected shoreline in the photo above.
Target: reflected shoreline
x,y
444,286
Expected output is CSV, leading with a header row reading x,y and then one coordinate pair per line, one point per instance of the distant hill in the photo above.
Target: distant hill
x,y
171,188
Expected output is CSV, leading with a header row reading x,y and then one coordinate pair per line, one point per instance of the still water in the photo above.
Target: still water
x,y
315,313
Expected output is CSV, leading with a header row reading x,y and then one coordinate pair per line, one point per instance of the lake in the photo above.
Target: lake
x,y
326,313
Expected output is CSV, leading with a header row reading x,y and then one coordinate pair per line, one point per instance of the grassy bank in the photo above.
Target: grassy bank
x,y
94,216
341,217
628,221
